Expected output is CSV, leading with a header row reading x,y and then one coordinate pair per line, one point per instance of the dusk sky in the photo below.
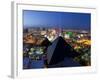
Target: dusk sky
x,y
69,20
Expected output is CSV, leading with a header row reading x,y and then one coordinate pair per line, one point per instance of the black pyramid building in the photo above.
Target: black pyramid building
x,y
59,51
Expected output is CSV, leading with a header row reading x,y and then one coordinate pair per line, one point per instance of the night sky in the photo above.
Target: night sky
x,y
68,20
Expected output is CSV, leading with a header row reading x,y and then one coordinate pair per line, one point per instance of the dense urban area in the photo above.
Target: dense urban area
x,y
36,41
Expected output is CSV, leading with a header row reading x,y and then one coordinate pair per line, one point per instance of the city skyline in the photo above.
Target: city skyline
x,y
68,20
